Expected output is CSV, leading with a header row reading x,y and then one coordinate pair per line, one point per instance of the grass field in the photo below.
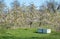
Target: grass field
x,y
27,34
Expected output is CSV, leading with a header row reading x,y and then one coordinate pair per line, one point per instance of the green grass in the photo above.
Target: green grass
x,y
27,34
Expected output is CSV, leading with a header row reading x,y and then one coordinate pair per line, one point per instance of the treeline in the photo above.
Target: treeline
x,y
48,14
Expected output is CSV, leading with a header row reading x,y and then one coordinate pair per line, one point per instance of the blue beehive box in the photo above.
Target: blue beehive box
x,y
40,30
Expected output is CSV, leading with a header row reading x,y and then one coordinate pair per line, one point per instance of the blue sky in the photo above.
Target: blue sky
x,y
27,2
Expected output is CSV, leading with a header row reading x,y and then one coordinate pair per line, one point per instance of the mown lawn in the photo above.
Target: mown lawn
x,y
27,34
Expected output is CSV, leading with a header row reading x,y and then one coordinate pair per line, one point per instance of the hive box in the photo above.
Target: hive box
x,y
44,30
40,31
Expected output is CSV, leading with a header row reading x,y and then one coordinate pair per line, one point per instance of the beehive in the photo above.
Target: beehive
x,y
44,30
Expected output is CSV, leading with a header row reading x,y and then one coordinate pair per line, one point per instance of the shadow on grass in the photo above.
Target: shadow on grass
x,y
51,36
13,37
39,33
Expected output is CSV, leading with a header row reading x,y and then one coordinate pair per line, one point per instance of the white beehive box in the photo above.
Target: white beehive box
x,y
44,30
48,30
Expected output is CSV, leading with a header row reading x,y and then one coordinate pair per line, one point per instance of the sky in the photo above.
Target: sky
x,y
27,2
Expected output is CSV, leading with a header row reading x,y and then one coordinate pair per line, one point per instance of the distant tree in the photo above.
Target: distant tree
x,y
2,16
17,14
47,12
2,6
31,13
52,6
